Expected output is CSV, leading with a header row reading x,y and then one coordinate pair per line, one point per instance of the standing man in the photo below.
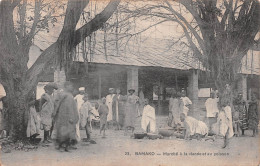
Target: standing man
x,y
66,117
46,110
119,110
79,100
85,109
109,103
148,118
186,102
131,110
240,106
212,109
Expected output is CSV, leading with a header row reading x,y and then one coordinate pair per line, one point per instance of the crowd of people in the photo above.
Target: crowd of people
x,y
221,119
63,113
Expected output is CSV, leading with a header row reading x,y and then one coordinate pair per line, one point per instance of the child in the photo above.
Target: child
x,y
103,112
33,127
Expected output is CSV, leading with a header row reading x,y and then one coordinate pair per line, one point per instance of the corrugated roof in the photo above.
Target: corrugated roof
x,y
151,52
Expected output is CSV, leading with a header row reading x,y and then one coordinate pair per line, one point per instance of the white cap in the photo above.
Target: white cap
x,y
81,89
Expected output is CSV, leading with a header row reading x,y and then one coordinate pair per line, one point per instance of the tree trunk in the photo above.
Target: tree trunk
x,y
17,112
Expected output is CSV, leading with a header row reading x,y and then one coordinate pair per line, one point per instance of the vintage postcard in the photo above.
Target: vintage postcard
x,y
129,82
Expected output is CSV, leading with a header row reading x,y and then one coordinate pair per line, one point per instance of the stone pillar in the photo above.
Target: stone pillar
x,y
193,90
60,78
242,86
132,79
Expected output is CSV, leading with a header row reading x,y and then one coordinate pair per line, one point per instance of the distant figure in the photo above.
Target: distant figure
x,y
130,110
225,123
79,100
79,97
253,114
46,110
175,108
148,122
85,109
34,122
186,102
119,111
109,103
193,127
66,117
103,113
240,106
212,109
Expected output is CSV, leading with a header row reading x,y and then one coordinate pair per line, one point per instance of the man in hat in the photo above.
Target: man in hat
x,y
109,103
186,102
212,109
46,110
131,110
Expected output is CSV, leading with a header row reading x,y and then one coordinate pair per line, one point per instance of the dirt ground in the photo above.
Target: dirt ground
x,y
117,149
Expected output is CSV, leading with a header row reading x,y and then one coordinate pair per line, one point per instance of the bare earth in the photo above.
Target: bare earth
x,y
114,149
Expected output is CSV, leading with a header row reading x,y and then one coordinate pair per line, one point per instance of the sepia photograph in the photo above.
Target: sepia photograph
x,y
129,82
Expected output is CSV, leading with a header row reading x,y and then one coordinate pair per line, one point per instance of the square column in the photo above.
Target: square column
x,y
193,90
132,79
242,86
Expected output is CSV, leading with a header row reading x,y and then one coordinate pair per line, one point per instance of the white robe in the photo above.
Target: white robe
x,y
186,102
109,102
195,126
148,117
84,113
225,122
211,107
79,101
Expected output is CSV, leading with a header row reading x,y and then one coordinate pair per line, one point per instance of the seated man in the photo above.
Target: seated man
x,y
148,119
193,127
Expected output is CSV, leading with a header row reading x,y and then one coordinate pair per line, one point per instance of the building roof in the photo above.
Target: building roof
x,y
152,52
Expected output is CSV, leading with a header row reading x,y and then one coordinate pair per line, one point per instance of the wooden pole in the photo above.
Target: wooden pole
x,y
99,85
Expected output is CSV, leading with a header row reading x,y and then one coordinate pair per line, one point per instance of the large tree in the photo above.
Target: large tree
x,y
15,41
219,32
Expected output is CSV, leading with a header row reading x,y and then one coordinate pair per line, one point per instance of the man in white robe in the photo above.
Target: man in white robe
x,y
193,127
79,100
109,103
211,105
186,102
148,118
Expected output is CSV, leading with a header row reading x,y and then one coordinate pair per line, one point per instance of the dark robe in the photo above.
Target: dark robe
x,y
253,115
240,106
66,117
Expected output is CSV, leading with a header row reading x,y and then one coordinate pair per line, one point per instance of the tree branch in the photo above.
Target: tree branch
x,y
193,31
96,23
